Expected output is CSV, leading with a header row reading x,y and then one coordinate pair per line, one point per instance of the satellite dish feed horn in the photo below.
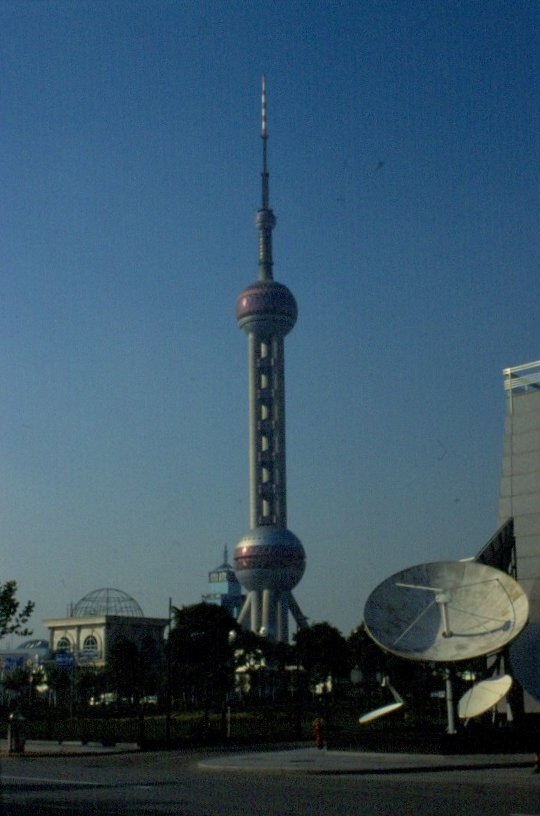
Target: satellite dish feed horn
x,y
385,683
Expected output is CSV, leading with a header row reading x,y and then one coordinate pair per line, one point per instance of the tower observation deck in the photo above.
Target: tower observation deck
x,y
270,560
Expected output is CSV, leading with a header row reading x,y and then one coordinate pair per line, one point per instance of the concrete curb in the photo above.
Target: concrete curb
x,y
50,748
311,762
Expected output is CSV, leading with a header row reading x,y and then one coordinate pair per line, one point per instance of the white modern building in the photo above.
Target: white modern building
x,y
520,501
96,622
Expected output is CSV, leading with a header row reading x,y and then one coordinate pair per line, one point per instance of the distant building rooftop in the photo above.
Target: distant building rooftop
x,y
107,601
523,378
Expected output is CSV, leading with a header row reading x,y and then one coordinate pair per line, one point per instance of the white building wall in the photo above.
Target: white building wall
x,y
520,484
106,629
520,488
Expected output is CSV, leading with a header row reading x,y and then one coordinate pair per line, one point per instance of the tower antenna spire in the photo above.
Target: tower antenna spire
x,y
266,219
264,137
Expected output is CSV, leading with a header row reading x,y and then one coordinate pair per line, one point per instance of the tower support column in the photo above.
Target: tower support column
x,y
283,617
256,605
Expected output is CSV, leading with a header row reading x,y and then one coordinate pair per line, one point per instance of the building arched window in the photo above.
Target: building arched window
x,y
63,645
90,644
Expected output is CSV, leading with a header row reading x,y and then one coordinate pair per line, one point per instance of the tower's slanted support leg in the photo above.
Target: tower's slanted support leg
x,y
242,616
296,612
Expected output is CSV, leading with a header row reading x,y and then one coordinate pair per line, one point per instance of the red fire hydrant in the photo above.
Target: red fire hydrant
x,y
318,732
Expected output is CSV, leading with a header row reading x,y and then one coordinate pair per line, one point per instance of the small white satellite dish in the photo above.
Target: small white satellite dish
x,y
379,712
386,709
483,696
525,659
446,611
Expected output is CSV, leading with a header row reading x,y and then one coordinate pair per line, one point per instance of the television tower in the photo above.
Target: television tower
x,y
270,560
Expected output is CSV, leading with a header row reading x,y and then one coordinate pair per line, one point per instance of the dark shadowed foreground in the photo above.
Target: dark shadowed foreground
x,y
173,783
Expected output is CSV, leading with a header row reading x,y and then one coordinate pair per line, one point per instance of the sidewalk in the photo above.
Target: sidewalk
x,y
298,760
315,761
68,748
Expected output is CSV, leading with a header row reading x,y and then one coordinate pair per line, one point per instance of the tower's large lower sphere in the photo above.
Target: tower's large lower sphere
x,y
269,557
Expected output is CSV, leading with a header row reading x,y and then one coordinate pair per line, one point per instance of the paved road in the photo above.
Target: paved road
x,y
175,783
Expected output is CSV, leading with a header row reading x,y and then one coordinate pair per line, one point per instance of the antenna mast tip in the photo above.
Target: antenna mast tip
x,y
264,132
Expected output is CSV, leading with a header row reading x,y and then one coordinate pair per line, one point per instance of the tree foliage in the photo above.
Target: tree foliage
x,y
322,651
12,618
201,652
123,668
366,654
134,669
263,667
89,681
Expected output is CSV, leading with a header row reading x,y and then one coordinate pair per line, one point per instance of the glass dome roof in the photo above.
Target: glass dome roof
x,y
31,645
107,601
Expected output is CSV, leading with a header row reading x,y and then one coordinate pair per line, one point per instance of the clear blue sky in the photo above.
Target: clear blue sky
x,y
403,157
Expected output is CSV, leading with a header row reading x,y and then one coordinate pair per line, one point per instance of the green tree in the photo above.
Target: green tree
x,y
59,681
20,686
322,651
124,669
13,619
90,681
201,653
152,666
366,654
265,665
18,683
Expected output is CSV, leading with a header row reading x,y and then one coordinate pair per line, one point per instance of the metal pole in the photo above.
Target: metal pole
x,y
450,702
168,685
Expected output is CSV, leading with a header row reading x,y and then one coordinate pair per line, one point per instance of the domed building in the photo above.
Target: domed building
x,y
96,621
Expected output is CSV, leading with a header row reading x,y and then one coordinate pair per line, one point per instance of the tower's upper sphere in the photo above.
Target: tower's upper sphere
x,y
266,306
269,557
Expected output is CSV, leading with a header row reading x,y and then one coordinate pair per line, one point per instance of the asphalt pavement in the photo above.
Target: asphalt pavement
x,y
307,760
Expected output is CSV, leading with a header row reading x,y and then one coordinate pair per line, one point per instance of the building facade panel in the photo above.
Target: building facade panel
x,y
520,482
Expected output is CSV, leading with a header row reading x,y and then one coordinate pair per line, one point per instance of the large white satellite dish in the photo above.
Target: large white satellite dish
x,y
483,696
379,712
446,611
